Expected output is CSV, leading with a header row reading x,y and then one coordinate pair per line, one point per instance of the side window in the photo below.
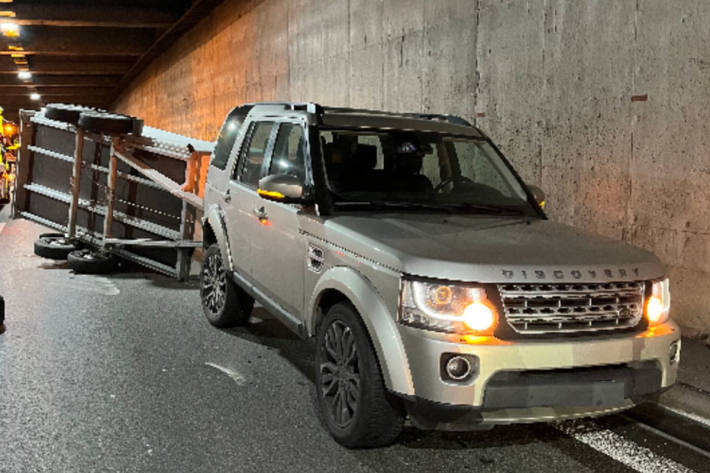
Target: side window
x,y
289,155
252,156
354,160
227,136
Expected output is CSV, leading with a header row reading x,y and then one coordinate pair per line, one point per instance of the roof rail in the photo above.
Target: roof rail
x,y
311,107
302,106
307,107
453,119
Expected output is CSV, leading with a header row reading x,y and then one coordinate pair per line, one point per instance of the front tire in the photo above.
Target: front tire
x,y
352,399
223,302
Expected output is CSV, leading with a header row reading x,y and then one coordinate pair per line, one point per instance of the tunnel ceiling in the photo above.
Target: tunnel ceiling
x,y
84,51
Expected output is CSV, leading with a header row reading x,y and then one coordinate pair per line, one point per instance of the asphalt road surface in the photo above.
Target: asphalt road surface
x,y
123,373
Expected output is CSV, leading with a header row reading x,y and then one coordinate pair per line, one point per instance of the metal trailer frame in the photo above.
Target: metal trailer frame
x,y
133,154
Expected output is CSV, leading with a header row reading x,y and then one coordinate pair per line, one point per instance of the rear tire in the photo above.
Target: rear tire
x,y
223,302
353,402
87,261
54,246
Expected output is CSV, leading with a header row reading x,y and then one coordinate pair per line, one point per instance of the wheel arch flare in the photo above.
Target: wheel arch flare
x,y
344,283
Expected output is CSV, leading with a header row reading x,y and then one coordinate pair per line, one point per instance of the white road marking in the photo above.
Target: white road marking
x,y
666,436
2,227
624,451
236,377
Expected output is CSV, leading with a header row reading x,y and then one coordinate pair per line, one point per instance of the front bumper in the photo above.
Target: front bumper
x,y
537,380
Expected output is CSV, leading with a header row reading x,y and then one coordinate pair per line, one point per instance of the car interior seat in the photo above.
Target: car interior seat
x,y
406,175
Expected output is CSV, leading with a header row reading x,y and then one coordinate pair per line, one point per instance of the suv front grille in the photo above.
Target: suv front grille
x,y
534,309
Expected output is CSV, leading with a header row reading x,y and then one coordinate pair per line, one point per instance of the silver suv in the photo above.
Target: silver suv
x,y
428,274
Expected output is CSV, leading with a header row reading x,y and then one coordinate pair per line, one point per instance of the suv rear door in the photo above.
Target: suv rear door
x,y
241,198
219,169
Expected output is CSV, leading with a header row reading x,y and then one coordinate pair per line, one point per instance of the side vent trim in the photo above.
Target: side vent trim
x,y
315,258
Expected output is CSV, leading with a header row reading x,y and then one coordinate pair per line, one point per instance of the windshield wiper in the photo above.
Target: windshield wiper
x,y
449,207
492,209
383,204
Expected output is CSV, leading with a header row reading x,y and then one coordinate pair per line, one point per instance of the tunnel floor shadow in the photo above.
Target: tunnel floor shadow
x,y
264,329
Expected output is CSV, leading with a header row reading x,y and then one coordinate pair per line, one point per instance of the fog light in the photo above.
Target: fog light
x,y
458,368
674,353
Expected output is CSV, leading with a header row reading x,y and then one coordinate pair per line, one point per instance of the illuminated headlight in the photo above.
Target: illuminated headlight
x,y
447,308
658,305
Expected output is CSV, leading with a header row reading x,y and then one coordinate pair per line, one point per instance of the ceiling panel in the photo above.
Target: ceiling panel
x,y
84,51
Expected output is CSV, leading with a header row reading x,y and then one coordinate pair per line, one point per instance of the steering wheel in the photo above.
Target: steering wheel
x,y
451,180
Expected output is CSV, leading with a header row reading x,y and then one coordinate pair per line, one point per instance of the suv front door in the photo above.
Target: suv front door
x,y
278,248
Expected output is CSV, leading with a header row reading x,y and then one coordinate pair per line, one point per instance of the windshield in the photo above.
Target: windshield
x,y
421,171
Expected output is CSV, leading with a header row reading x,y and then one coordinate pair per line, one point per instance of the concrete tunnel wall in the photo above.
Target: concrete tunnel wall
x,y
604,104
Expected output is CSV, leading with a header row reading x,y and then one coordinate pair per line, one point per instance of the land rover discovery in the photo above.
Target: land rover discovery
x,y
427,273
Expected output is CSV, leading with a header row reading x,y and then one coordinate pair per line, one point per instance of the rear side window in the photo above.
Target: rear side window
x,y
225,141
252,156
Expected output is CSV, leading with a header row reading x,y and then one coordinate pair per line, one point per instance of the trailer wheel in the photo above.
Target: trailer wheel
x,y
110,123
54,246
87,261
67,113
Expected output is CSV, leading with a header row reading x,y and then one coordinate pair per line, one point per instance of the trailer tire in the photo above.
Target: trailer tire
x,y
54,246
67,113
223,302
110,123
87,261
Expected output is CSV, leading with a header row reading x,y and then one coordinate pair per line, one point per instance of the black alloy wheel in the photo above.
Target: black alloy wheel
x,y
223,302
340,375
214,284
353,402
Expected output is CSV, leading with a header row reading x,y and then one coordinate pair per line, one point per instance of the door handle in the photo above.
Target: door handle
x,y
260,213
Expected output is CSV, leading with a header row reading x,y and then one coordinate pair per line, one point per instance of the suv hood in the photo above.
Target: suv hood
x,y
486,248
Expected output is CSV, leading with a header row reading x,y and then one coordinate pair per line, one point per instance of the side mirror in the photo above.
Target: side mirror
x,y
538,195
281,188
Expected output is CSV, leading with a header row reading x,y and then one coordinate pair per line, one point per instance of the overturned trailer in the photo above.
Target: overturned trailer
x,y
111,188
